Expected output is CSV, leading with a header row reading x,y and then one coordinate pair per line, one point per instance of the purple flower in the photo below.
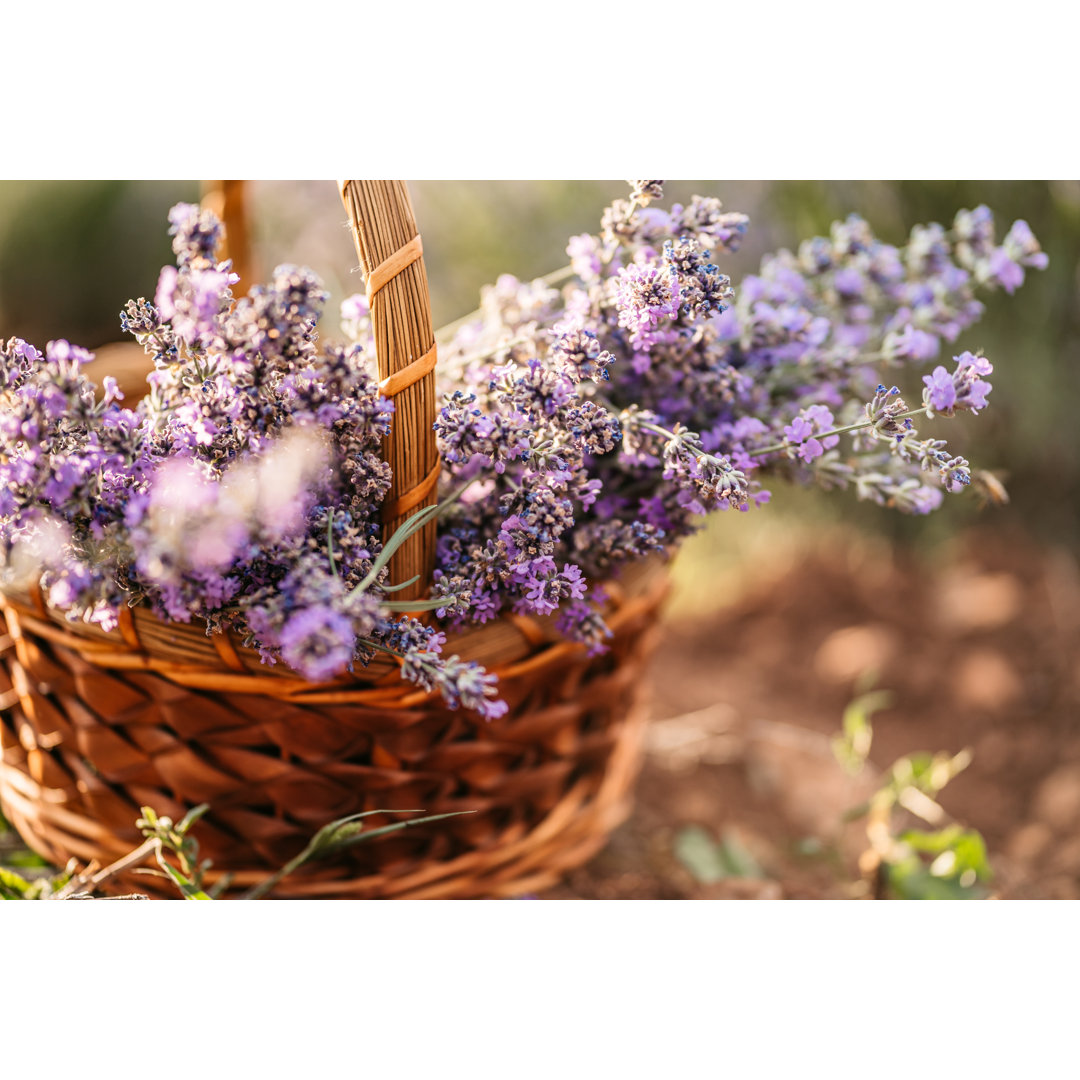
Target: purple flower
x,y
924,500
112,390
195,232
64,354
166,291
580,622
66,475
703,290
1007,273
911,344
963,390
584,252
318,643
940,394
1022,246
802,430
849,283
354,308
975,234
822,419
802,434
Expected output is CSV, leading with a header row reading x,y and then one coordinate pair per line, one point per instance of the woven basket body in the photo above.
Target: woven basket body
x,y
95,725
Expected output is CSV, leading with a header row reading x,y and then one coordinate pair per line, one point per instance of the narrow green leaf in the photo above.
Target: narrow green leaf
x,y
326,834
335,836
330,540
696,849
401,534
191,817
404,585
404,531
852,746
739,861
187,887
383,830
415,605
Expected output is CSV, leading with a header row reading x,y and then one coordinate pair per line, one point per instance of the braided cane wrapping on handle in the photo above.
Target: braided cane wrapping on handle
x,y
391,256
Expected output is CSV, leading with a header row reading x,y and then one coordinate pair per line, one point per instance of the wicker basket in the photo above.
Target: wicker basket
x,y
94,725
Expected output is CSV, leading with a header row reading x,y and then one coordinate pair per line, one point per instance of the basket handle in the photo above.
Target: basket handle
x,y
391,256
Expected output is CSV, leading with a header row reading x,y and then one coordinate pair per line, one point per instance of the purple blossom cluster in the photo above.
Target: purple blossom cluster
x,y
582,427
244,489
611,414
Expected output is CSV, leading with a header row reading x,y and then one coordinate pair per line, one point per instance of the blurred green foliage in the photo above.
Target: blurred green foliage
x,y
72,253
709,860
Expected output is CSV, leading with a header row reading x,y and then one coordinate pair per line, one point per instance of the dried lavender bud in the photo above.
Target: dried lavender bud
x,y
703,289
578,355
705,221
643,192
195,232
884,413
579,622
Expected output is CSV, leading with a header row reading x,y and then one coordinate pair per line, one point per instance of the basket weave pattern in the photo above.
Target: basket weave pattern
x,y
85,745
95,725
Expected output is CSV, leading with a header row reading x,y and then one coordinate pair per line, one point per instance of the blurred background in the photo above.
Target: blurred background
x,y
965,624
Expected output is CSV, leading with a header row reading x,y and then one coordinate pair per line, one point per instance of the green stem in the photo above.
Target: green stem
x,y
486,353
257,892
647,425
658,430
430,668
835,431
330,541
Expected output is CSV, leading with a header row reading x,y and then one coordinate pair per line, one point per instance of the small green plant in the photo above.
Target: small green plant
x,y
35,885
944,862
163,836
176,851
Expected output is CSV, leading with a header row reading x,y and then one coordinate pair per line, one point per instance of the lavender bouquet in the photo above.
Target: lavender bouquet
x,y
581,427
608,418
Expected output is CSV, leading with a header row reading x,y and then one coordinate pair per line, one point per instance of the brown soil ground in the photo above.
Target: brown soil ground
x,y
978,647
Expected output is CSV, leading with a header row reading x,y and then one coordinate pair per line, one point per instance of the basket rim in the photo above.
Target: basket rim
x,y
189,655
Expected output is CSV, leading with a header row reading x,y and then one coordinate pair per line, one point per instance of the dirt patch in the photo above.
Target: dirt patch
x,y
979,649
